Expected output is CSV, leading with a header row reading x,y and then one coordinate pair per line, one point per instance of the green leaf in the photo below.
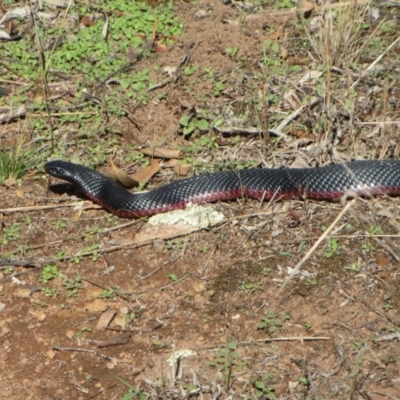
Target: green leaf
x,y
184,120
203,125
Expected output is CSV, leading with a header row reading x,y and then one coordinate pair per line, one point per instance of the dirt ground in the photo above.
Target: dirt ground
x,y
331,333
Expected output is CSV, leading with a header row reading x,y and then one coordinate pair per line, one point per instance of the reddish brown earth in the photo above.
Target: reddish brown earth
x,y
339,337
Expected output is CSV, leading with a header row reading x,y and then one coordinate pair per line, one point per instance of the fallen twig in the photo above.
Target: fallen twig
x,y
268,340
94,352
296,269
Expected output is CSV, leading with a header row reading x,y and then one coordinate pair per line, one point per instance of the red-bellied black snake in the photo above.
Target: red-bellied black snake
x,y
364,178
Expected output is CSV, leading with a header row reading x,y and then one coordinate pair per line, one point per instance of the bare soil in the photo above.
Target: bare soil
x,y
333,332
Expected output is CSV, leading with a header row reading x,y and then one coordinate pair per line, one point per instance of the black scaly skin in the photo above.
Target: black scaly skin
x,y
363,178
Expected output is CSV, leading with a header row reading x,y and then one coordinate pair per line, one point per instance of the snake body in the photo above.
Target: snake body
x,y
362,178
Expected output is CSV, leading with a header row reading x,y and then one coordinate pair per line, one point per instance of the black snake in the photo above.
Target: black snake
x,y
363,178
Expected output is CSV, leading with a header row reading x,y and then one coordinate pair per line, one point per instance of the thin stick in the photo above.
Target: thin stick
x,y
269,340
166,286
372,65
94,352
316,244
49,207
296,113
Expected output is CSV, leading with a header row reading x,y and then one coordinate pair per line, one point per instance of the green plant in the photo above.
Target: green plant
x,y
231,51
9,270
73,285
374,230
11,233
132,393
226,359
352,267
129,317
263,390
190,70
107,294
308,326
178,244
173,277
266,271
272,321
387,306
368,247
59,224
51,292
332,249
84,329
251,287
48,273
192,124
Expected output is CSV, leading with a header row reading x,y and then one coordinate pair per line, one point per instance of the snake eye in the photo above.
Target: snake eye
x,y
54,171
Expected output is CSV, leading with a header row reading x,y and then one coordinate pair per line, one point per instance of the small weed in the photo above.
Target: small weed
x,y
107,294
90,233
48,273
77,259
132,393
225,359
59,224
272,321
173,277
303,380
92,252
312,282
190,70
9,271
387,306
266,271
178,244
332,249
130,317
50,292
251,287
159,344
231,51
73,285
11,233
368,247
263,390
192,124
308,326
352,267
84,329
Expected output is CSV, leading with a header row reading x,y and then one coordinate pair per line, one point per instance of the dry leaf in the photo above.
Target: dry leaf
x,y
179,168
172,163
105,319
144,174
284,53
120,176
87,21
182,169
161,152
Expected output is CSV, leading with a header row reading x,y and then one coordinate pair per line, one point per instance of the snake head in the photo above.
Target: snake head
x,y
60,169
